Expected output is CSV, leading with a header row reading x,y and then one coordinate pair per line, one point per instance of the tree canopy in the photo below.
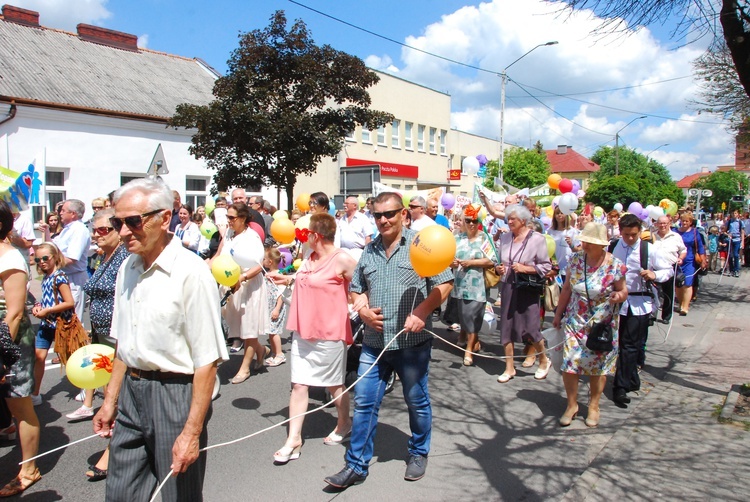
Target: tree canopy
x,y
526,168
640,179
695,19
724,185
284,104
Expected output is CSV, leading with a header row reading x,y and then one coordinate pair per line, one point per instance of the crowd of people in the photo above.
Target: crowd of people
x,y
142,265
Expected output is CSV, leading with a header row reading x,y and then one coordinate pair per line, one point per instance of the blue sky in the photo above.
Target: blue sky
x,y
590,71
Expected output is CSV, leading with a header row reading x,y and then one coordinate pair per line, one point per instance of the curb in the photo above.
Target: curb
x,y
727,415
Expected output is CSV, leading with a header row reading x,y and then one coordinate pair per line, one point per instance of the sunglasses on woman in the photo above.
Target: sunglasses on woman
x,y
469,221
40,259
134,222
102,231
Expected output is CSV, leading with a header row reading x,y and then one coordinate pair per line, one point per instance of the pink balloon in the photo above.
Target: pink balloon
x,y
258,230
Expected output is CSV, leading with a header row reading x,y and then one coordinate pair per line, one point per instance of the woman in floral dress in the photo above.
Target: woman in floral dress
x,y
594,284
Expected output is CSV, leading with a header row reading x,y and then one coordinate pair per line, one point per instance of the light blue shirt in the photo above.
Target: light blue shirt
x,y
74,242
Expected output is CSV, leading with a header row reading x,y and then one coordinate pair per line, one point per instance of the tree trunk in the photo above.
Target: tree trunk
x,y
738,41
290,182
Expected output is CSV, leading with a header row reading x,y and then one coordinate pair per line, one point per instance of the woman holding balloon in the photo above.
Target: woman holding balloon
x,y
524,258
565,236
246,311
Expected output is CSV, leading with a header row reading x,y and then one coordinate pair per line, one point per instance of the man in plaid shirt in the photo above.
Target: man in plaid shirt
x,y
391,297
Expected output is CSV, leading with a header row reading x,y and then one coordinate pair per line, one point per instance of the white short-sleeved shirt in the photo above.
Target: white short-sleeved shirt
x,y
74,242
167,318
421,223
24,228
671,246
353,233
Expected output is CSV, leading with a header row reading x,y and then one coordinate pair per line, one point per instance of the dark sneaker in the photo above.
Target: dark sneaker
x,y
415,468
621,398
345,478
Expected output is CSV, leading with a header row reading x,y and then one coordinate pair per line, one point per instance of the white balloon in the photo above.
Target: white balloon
x,y
618,207
568,203
470,165
655,212
556,201
247,249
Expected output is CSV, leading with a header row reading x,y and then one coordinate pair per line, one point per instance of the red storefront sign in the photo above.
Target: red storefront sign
x,y
454,175
388,168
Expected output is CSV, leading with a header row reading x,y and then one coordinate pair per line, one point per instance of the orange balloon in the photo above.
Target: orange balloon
x,y
553,180
283,231
432,250
303,202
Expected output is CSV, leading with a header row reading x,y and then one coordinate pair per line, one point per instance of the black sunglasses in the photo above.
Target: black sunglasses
x,y
388,214
416,206
470,221
133,222
44,259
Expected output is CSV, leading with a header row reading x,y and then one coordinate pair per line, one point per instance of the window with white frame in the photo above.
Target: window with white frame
x,y
381,136
366,136
420,138
196,191
443,139
433,133
128,177
407,135
350,136
395,134
54,186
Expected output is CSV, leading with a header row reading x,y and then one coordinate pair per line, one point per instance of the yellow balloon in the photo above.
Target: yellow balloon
x,y
598,211
283,231
225,270
303,202
551,245
482,214
550,211
303,222
280,215
406,197
90,366
362,201
297,264
672,209
432,250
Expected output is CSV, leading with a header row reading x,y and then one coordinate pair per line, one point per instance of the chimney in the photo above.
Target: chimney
x,y
107,37
562,149
704,169
21,16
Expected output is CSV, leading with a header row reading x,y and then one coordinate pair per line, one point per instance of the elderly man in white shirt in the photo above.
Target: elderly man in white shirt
x,y
354,228
672,249
169,342
636,310
418,210
74,242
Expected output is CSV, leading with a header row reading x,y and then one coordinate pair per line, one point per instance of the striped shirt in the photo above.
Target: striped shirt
x,y
391,284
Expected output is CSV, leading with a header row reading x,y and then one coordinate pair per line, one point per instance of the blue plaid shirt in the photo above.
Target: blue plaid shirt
x,y
390,284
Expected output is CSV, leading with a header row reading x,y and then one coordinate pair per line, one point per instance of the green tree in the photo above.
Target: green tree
x,y
652,179
493,171
724,185
283,106
610,190
525,168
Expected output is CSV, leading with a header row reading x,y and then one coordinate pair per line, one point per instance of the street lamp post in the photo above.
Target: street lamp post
x,y
652,151
617,144
503,82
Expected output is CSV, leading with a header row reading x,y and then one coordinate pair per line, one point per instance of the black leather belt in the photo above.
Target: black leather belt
x,y
156,375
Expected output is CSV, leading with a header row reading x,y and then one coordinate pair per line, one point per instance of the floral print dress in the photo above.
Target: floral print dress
x,y
578,318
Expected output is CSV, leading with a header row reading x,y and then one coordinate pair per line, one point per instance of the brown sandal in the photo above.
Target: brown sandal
x,y
17,485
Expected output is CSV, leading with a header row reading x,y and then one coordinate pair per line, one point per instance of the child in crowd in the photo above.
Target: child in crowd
x,y
57,299
276,307
723,249
713,247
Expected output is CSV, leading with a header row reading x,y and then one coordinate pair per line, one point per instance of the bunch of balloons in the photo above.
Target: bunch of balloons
x,y
565,185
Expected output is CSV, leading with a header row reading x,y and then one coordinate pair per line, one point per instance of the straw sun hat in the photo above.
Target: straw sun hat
x,y
594,233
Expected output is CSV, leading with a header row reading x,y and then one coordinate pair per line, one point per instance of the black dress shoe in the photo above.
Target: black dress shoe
x,y
345,478
415,468
664,321
621,398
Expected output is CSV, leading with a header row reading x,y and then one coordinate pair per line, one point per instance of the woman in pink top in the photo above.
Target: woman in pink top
x,y
319,318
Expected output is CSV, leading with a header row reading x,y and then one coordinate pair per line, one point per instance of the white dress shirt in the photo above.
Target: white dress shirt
x,y
631,257
167,318
353,233
671,246
74,242
421,223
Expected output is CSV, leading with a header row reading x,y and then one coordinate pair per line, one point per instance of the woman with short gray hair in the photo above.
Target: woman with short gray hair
x,y
524,263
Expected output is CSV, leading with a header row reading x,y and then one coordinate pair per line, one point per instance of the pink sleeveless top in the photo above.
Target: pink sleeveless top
x,y
319,309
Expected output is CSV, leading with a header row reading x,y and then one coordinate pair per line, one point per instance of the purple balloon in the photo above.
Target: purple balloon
x,y
482,159
635,208
286,258
644,215
448,200
576,186
546,221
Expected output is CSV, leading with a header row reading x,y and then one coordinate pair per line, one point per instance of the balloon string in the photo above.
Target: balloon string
x,y
58,448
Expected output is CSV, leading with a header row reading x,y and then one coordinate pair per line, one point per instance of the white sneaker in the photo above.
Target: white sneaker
x,y
81,396
81,413
36,400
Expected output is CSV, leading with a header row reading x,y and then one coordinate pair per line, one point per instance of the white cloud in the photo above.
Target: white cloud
x,y
143,40
493,34
66,14
382,63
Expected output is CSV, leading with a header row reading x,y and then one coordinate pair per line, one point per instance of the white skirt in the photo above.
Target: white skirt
x,y
318,363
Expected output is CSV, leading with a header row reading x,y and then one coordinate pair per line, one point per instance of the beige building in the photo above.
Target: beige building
x,y
417,151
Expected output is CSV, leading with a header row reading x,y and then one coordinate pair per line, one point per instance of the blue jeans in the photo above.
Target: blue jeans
x,y
412,367
734,256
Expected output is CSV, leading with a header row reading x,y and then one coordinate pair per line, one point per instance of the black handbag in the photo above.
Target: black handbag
x,y
600,337
9,351
532,283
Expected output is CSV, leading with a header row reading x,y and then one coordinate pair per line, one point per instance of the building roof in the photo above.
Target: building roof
x,y
566,160
47,67
688,180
